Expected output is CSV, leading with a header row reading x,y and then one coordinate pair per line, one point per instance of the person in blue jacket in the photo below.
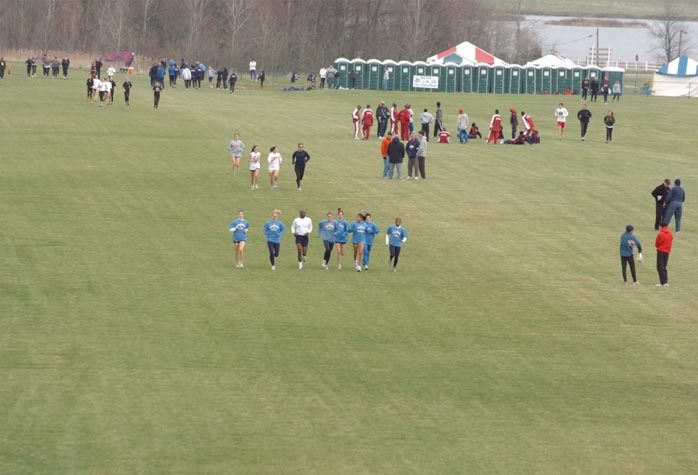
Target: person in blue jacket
x,y
239,229
273,229
358,239
172,70
326,230
340,236
674,203
395,236
160,74
371,231
628,241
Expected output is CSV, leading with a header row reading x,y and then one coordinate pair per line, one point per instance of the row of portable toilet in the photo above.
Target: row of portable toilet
x,y
479,78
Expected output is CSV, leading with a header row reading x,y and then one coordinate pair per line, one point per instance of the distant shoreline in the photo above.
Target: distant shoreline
x,y
597,22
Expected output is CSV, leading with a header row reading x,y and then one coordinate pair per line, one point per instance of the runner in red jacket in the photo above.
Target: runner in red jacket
x,y
495,128
663,245
404,118
367,121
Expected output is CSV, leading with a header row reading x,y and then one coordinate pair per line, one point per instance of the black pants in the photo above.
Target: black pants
x,y
425,129
422,169
662,261
513,131
584,128
382,126
437,128
126,97
584,93
624,262
394,254
232,87
609,134
328,250
273,251
300,171
156,99
594,95
660,211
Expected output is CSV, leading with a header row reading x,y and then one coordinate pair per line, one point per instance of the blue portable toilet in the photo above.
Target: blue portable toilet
x,y
358,65
405,73
393,72
374,71
516,79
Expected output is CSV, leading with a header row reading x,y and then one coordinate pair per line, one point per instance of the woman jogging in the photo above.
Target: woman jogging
x,y
371,231
340,236
273,229
274,159
299,158
358,239
326,230
239,229
236,147
609,121
395,236
255,165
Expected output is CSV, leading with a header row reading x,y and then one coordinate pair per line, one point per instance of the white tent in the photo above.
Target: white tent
x,y
679,78
551,61
465,53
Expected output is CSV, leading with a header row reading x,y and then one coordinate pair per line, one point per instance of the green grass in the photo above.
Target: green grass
x,y
601,8
505,343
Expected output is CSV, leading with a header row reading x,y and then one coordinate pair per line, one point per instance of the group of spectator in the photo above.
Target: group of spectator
x,y
592,86
51,67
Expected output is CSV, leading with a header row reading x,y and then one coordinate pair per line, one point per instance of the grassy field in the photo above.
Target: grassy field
x,y
601,8
505,343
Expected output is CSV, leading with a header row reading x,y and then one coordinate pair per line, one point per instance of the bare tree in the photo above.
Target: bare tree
x,y
668,32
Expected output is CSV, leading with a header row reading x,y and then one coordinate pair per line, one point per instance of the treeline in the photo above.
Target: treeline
x,y
279,34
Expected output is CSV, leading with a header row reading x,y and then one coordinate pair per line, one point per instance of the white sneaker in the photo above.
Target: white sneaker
x,y
339,267
408,178
636,283
299,188
305,258
300,265
242,266
416,178
273,267
394,269
358,268
252,187
666,285
657,285
365,267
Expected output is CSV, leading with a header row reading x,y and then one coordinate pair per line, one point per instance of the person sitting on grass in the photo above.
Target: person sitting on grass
x,y
474,132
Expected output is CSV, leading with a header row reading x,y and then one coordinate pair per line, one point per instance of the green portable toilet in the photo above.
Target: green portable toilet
x,y
393,72
438,71
420,71
564,81
499,79
577,74
467,83
516,79
483,78
544,80
591,72
452,74
343,65
615,74
359,66
530,80
405,68
374,70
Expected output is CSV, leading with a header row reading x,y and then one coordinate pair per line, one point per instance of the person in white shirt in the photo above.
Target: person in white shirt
x,y
426,118
253,70
561,116
111,71
108,86
274,159
102,92
323,77
186,77
301,229
96,89
255,165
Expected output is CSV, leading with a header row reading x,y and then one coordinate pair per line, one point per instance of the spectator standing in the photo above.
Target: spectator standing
x,y
393,119
674,203
412,148
356,119
404,118
462,126
585,88
186,77
261,78
426,118
323,77
367,121
594,87
605,89
616,92
584,116
232,80
330,76
386,78
384,153
396,154
496,128
513,121
422,156
383,116
628,241
609,121
438,120
65,63
253,69
663,245
3,66
659,194
352,79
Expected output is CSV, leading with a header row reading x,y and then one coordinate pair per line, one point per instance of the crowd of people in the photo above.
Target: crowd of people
x,y
668,204
51,68
334,233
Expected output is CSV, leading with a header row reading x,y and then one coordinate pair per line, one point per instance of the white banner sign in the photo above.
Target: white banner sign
x,y
429,82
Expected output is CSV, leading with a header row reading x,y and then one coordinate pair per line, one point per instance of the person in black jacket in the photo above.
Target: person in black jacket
x,y
65,63
383,115
396,153
98,68
584,116
594,86
659,195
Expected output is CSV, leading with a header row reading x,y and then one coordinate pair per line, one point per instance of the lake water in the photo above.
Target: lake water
x,y
574,41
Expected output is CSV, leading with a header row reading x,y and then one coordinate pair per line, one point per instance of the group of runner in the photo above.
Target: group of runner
x,y
333,232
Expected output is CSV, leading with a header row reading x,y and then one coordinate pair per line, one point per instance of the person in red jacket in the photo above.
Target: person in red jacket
x,y
367,121
495,128
528,124
356,118
663,245
404,118
444,136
